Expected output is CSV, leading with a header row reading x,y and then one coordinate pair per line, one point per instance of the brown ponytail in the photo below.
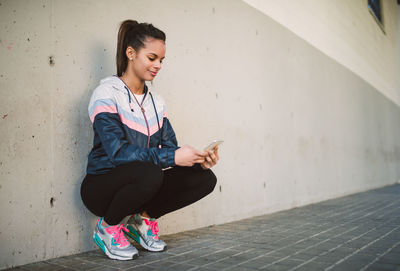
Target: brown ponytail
x,y
134,34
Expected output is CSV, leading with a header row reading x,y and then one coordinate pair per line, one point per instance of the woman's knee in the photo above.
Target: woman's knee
x,y
210,180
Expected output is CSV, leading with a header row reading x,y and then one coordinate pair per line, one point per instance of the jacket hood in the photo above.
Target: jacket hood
x,y
113,81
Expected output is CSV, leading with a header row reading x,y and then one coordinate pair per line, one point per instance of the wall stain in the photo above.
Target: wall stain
x,y
5,116
52,200
51,61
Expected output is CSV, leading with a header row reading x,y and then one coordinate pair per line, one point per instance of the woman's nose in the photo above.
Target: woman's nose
x,y
157,64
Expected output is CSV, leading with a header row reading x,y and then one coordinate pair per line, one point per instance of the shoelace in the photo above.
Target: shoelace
x,y
153,227
118,235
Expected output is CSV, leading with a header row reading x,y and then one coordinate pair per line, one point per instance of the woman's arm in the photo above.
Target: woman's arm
x,y
109,128
168,138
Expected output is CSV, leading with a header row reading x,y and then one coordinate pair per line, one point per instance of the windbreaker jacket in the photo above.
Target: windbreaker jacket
x,y
124,133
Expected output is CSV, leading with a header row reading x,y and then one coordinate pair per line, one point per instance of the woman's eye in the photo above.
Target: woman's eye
x,y
151,59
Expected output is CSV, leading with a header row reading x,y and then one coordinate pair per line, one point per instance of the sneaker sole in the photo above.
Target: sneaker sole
x,y
99,242
136,237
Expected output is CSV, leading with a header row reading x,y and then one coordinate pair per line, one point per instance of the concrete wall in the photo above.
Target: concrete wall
x,y
298,126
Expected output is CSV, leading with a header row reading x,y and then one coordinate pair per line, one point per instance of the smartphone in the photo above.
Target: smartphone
x,y
213,144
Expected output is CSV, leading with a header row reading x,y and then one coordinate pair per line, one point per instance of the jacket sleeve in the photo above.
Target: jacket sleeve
x,y
118,149
168,135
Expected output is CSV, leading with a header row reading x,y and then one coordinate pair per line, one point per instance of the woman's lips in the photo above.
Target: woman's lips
x,y
153,73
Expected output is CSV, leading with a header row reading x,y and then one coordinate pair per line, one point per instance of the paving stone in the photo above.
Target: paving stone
x,y
302,257
287,263
105,268
390,259
181,267
311,266
161,264
200,261
42,266
259,262
350,265
224,264
140,268
240,268
383,267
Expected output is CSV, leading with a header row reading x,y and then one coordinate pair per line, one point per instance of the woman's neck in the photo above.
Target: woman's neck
x,y
134,84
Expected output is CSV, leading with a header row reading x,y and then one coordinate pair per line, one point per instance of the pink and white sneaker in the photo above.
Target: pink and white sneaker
x,y
145,232
113,242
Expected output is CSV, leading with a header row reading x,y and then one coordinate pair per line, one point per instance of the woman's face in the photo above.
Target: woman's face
x,y
147,60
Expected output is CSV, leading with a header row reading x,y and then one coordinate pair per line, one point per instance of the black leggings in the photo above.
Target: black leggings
x,y
137,187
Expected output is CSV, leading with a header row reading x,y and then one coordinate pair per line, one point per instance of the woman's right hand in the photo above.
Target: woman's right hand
x,y
187,156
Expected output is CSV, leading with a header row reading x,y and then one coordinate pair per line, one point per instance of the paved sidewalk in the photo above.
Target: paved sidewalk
x,y
358,232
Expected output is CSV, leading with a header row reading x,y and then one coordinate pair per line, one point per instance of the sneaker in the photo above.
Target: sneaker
x,y
145,232
113,242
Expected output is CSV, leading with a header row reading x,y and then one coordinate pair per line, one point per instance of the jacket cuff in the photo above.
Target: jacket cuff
x,y
171,157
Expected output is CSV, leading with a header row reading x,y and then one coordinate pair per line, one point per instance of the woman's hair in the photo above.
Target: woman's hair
x,y
134,34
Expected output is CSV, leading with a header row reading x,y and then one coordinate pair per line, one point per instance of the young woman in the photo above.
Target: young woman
x,y
133,143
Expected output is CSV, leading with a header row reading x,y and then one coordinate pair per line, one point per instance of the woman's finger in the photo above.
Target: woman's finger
x,y
213,157
216,153
200,153
199,160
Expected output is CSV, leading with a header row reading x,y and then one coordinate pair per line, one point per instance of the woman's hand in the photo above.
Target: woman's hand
x,y
187,156
211,159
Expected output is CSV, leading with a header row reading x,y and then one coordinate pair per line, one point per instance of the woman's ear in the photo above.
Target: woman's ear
x,y
130,53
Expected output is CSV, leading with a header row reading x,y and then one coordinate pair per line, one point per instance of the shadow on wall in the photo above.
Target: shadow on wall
x,y
100,67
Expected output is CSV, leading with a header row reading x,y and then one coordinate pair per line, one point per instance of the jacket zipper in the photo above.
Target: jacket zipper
x,y
145,118
141,108
148,129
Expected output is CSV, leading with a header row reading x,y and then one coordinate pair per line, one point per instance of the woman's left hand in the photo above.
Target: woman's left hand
x,y
211,159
